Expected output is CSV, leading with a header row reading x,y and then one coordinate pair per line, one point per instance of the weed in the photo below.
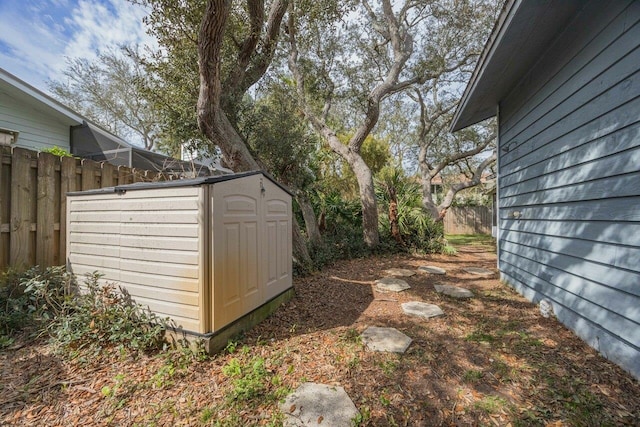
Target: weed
x,y
354,362
479,336
449,250
472,376
249,381
384,400
207,414
491,404
389,367
501,370
351,335
231,346
163,378
6,341
363,416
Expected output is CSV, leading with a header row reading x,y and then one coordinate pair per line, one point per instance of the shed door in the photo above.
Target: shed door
x,y
235,241
277,240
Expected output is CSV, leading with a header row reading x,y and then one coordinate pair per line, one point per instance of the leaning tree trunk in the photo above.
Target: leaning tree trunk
x,y
310,221
212,120
367,200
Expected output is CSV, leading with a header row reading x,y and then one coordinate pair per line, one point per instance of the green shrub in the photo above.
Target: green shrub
x,y
32,298
343,242
419,232
57,151
103,316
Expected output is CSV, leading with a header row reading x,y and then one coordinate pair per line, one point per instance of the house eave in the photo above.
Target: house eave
x,y
20,89
522,33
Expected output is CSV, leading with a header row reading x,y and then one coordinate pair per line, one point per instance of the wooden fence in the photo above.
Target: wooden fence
x,y
33,195
468,220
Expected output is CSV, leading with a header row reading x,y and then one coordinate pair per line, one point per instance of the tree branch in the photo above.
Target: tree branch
x,y
475,180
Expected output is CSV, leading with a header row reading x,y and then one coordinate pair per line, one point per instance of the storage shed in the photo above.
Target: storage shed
x,y
204,252
563,77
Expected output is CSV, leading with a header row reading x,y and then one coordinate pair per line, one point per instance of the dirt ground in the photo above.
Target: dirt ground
x,y
490,360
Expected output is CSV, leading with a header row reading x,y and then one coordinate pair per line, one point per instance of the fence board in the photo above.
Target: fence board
x,y
21,196
107,174
90,171
68,183
33,201
45,248
468,220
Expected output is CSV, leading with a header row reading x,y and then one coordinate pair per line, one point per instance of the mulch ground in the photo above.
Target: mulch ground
x,y
490,360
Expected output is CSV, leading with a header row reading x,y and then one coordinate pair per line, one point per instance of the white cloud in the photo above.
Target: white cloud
x,y
37,36
97,27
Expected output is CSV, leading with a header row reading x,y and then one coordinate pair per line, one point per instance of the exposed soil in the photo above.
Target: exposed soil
x,y
490,360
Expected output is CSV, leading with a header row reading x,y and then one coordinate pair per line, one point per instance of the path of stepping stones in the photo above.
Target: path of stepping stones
x,y
320,404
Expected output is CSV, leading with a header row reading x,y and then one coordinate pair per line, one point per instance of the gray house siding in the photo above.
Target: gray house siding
x,y
569,180
38,131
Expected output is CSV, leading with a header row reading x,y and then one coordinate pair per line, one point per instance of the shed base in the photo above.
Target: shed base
x,y
216,341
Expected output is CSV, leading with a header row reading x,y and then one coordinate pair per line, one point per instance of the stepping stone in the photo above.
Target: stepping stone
x,y
431,269
315,404
385,339
453,291
402,272
422,309
479,271
391,284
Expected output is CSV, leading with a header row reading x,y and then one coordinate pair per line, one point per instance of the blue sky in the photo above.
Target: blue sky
x,y
37,36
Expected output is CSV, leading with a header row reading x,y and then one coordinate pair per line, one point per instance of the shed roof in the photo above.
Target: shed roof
x,y
194,182
522,33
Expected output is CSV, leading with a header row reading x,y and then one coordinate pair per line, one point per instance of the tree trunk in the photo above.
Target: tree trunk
x,y
393,219
367,199
427,196
211,118
310,222
300,252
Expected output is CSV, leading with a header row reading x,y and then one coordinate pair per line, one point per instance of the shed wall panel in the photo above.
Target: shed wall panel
x,y
154,254
569,181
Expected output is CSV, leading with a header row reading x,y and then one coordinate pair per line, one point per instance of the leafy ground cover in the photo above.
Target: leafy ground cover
x,y
490,360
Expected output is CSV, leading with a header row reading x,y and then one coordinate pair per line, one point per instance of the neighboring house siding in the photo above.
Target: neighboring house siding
x,y
569,180
37,130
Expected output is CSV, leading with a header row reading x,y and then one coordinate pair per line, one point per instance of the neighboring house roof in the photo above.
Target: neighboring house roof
x,y
37,99
87,139
521,35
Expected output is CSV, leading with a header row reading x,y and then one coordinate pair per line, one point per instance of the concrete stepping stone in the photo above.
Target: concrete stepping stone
x,y
453,291
314,404
385,339
422,309
400,272
432,269
479,271
391,284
